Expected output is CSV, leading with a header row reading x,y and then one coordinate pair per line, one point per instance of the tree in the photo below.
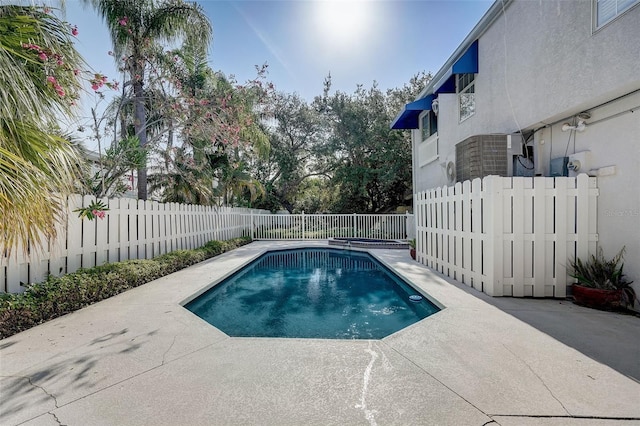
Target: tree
x,y
136,27
371,162
316,195
38,81
183,180
297,140
217,124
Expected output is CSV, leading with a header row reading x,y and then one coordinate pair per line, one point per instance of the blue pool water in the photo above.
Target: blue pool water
x,y
313,293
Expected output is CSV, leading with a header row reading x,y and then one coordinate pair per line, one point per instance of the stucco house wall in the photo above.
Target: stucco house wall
x,y
539,65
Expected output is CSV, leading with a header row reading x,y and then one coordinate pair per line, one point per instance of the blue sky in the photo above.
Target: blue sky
x,y
302,41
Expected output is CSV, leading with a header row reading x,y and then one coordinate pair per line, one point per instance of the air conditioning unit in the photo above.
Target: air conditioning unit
x,y
482,155
493,154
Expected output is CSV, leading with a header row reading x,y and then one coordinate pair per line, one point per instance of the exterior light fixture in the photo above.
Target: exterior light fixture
x,y
435,106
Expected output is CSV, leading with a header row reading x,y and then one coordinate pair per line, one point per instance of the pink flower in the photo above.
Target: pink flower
x,y
123,21
43,56
76,72
60,91
94,86
74,30
94,212
51,79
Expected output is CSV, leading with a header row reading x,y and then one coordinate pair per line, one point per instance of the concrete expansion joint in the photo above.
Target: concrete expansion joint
x,y
442,383
539,378
577,416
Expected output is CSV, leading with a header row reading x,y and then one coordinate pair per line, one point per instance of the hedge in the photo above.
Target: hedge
x,y
58,296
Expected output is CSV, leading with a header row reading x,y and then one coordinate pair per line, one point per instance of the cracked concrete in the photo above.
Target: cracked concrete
x,y
541,381
140,358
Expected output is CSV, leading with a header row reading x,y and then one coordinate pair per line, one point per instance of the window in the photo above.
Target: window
x,y
607,10
466,95
428,124
428,147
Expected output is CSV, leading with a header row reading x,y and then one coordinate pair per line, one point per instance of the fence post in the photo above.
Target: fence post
x,y
354,225
303,225
251,225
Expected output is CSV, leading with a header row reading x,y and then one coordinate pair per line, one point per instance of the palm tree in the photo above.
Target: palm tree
x,y
136,26
183,181
235,181
37,83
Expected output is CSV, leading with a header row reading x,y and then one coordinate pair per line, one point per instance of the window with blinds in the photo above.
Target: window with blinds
x,y
607,10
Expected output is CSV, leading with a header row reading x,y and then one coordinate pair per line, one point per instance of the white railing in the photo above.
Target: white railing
x,y
508,236
135,229
324,226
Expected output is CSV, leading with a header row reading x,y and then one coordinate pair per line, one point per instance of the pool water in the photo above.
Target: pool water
x,y
312,293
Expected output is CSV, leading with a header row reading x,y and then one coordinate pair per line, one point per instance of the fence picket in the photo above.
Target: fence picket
x,y
511,236
518,236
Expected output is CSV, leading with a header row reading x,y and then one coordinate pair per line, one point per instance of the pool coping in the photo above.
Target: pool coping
x,y
339,248
141,358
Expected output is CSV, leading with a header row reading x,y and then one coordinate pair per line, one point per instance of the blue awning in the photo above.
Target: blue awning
x,y
467,64
408,118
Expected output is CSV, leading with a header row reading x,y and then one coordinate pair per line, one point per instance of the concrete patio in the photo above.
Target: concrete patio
x,y
140,358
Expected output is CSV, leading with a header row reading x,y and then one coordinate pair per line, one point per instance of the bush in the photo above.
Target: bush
x,y
58,296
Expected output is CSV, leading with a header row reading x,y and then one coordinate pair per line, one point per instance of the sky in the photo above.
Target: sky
x,y
302,41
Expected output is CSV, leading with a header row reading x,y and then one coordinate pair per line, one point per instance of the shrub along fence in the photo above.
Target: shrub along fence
x,y
61,295
508,236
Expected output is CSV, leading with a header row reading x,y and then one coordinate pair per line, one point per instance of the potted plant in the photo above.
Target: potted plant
x,y
412,248
601,283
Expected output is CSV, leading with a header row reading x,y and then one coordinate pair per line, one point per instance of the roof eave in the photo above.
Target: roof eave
x,y
485,22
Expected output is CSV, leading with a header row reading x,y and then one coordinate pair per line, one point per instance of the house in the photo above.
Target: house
x,y
541,88
128,182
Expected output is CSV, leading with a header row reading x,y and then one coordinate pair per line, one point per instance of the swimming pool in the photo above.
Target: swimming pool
x,y
312,293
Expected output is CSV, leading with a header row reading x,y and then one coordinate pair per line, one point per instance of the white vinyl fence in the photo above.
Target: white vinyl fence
x,y
135,229
508,236
131,229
